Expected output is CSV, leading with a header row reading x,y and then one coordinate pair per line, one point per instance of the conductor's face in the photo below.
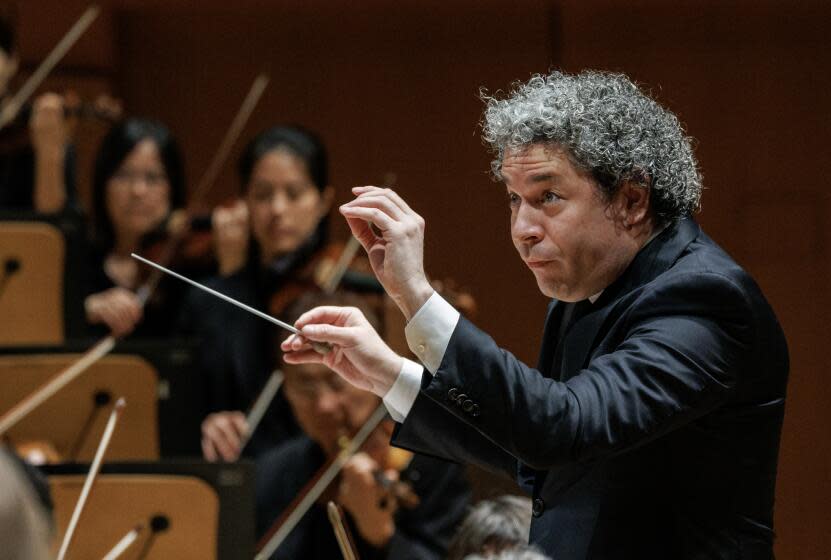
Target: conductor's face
x,y
561,224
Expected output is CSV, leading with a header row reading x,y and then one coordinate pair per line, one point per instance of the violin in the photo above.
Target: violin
x,y
388,458
182,241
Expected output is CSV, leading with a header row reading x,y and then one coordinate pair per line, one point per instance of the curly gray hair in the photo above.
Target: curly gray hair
x,y
608,126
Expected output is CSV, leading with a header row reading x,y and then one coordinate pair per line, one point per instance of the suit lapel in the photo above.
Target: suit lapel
x,y
655,258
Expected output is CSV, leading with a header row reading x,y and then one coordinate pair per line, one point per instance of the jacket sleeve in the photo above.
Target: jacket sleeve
x,y
677,358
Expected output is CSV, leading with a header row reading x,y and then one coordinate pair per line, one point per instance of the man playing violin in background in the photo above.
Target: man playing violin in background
x,y
328,409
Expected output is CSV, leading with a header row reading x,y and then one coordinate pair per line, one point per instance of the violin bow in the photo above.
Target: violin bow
x,y
125,542
315,488
93,472
342,534
261,404
209,176
106,344
13,105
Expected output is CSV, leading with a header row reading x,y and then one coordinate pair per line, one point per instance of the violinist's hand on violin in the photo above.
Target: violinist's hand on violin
x,y
49,130
222,434
231,237
372,506
118,308
397,254
358,353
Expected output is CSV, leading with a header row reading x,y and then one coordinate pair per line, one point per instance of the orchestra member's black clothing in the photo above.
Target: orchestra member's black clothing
x,y
17,178
238,351
422,533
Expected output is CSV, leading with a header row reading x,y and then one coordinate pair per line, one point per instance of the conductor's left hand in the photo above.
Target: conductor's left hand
x,y
358,354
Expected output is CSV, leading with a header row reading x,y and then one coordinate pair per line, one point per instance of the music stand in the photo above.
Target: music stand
x,y
181,390
185,508
232,482
31,283
71,226
74,418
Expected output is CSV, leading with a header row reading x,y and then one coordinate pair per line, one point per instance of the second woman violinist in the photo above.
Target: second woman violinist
x,y
271,247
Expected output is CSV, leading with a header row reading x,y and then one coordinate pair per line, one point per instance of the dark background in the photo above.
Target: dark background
x,y
392,87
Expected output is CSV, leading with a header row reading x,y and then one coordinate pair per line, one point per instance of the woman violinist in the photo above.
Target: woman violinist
x,y
138,182
271,247
327,410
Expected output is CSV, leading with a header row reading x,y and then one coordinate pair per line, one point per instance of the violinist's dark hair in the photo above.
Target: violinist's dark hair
x,y
297,140
122,138
7,38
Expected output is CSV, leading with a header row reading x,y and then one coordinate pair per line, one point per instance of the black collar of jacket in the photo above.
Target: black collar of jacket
x,y
653,259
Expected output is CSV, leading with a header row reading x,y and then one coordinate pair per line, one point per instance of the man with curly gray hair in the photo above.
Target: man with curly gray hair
x,y
650,427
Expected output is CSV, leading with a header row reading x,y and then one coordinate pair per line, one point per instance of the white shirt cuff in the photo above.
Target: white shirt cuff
x,y
428,332
401,396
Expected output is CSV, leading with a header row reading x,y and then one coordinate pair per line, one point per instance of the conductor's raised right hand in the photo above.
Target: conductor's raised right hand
x,y
358,354
395,246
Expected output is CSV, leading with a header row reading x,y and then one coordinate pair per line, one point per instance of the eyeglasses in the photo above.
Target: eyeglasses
x,y
310,389
130,177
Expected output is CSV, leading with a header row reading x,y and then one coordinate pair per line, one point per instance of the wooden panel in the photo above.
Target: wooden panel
x,y
119,502
31,297
71,420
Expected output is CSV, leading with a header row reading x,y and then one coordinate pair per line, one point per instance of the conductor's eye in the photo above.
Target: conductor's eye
x,y
549,197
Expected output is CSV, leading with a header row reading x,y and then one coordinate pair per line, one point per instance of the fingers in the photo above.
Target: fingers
x,y
362,231
377,217
208,451
330,314
222,435
117,308
394,197
230,227
302,357
345,337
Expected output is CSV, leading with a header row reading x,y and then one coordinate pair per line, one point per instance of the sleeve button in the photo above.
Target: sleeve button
x,y
467,406
453,394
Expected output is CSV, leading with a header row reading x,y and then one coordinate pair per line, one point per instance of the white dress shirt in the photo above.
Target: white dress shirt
x,y
428,334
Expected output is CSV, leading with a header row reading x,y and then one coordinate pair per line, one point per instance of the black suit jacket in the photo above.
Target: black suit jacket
x,y
651,432
422,533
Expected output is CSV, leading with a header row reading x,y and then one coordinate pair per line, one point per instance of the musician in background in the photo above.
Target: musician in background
x,y
272,246
37,160
493,526
328,409
138,182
